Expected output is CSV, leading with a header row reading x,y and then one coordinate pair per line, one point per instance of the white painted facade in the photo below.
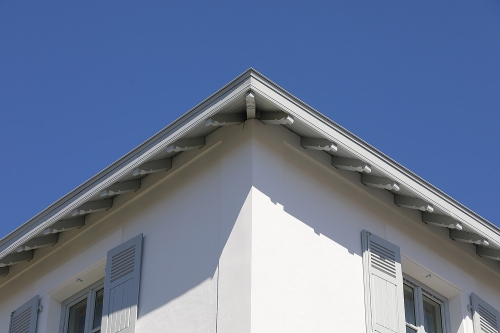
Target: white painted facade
x,y
251,233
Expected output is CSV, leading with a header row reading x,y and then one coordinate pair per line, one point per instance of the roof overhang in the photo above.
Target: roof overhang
x,y
250,95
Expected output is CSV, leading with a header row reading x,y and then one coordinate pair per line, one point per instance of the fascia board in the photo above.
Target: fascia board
x,y
348,141
126,164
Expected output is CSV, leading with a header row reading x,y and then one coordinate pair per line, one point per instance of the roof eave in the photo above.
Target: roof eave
x,y
249,80
130,160
473,215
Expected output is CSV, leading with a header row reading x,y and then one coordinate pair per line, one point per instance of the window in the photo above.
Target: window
x,y
82,313
85,312
424,311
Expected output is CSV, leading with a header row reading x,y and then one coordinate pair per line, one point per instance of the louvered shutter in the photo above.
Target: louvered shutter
x,y
383,281
484,316
24,319
121,287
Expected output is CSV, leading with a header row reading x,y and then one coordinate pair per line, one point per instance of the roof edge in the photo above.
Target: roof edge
x,y
127,158
203,109
257,75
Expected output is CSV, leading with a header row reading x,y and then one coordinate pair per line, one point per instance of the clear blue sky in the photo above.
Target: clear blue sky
x,y
82,83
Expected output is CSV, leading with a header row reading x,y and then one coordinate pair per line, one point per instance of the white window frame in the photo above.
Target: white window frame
x,y
420,289
87,293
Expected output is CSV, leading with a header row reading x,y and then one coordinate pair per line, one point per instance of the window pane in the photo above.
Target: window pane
x,y
432,316
98,308
77,317
409,305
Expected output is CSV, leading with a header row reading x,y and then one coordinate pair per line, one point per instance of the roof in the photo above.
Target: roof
x,y
251,95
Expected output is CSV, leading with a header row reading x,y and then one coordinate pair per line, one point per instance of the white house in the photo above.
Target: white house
x,y
252,213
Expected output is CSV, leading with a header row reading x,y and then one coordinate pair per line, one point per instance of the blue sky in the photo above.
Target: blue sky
x,y
82,83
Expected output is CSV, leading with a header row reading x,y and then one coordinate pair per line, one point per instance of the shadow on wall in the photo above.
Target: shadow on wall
x,y
180,292
326,202
192,226
189,218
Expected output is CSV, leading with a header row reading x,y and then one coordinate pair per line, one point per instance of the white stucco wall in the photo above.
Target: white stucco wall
x,y
306,244
252,233
196,221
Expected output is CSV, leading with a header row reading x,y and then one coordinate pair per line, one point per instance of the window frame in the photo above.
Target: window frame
x,y
420,290
88,293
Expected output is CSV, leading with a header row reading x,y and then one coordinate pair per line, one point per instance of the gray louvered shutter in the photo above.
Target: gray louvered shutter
x,y
24,319
121,287
383,282
484,316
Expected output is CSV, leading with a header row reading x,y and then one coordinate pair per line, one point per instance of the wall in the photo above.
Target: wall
x,y
196,221
306,244
251,233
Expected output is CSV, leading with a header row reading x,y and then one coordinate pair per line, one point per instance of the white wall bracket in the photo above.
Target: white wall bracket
x,y
350,164
15,258
276,118
413,203
153,166
250,104
64,225
487,252
318,144
379,182
225,119
441,221
468,237
186,144
92,207
122,187
38,242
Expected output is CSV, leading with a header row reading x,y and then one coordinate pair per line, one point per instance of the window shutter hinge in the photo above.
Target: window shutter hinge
x,y
469,307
